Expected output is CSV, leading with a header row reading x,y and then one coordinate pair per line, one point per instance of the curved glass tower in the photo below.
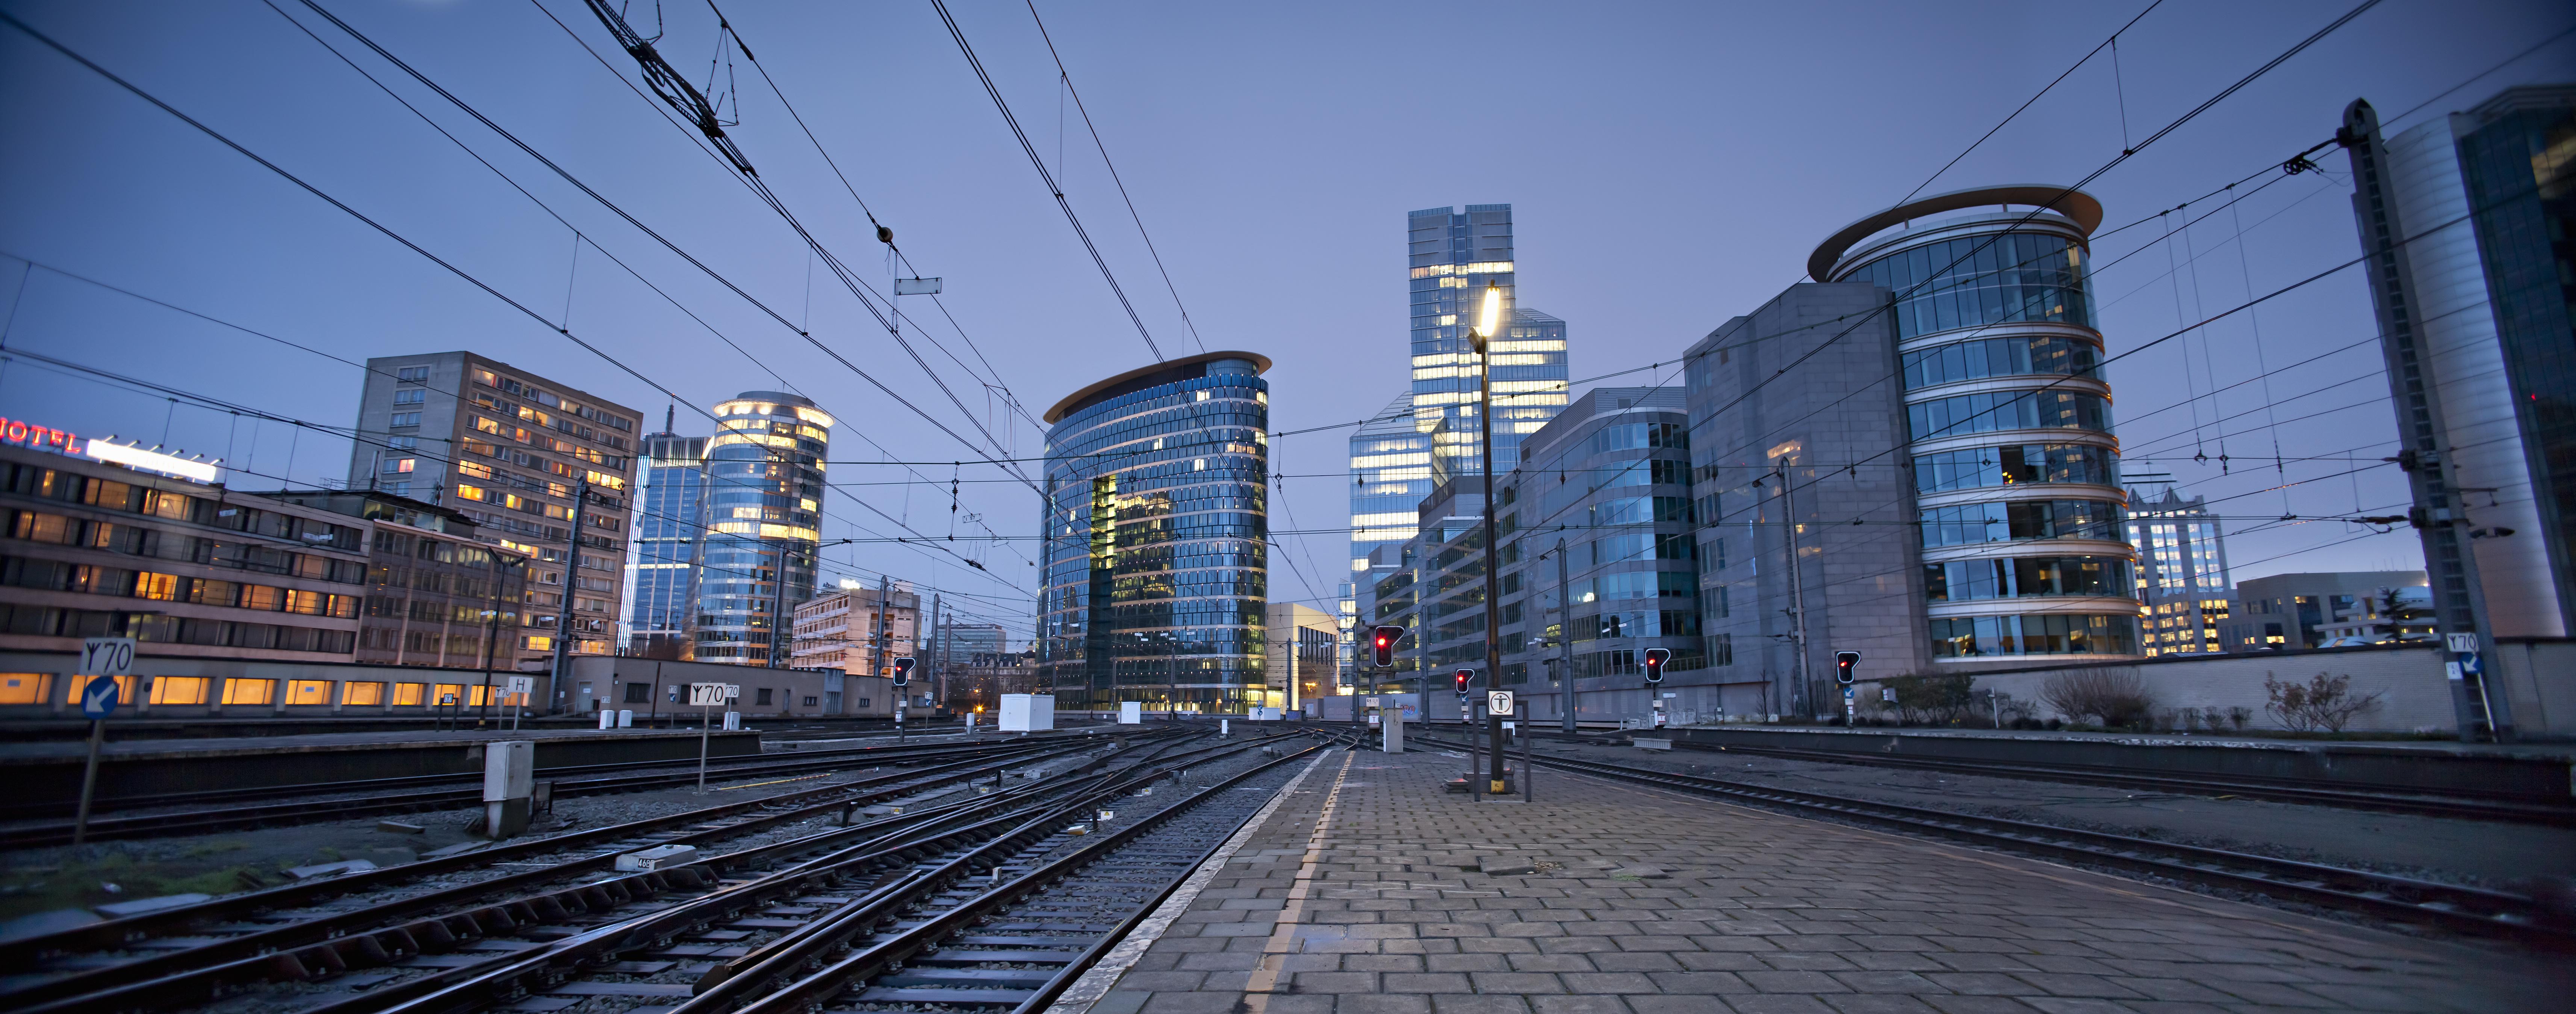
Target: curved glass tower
x,y
2008,420
1156,571
764,496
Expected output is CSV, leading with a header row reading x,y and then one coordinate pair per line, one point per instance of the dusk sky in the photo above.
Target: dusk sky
x,y
1669,167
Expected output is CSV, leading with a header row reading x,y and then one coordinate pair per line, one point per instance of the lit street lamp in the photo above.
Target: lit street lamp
x,y
1487,319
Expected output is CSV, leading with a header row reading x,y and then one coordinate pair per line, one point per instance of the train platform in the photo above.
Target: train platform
x,y
49,770
1370,890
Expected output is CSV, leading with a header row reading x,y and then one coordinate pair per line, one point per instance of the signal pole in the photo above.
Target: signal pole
x,y
1564,642
571,580
1797,587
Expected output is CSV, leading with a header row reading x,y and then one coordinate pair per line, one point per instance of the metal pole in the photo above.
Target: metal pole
x,y
89,781
702,748
938,672
491,634
1565,639
1797,586
1493,564
571,580
1172,681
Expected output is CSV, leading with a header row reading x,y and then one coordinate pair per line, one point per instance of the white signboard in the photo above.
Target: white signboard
x,y
520,685
707,695
107,656
2460,642
1498,702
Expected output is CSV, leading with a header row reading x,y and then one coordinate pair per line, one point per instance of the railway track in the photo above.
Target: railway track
x,y
2279,790
300,934
665,774
2398,899
1001,923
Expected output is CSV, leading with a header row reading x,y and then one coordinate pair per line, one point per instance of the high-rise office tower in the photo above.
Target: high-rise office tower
x,y
2478,213
670,526
1155,564
511,450
1430,435
2183,590
1911,457
764,495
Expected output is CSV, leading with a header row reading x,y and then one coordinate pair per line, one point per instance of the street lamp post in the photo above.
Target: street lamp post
x,y
1487,318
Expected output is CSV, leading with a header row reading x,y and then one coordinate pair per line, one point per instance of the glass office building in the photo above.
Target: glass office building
x,y
2183,592
1155,562
764,496
662,579
1430,435
2007,419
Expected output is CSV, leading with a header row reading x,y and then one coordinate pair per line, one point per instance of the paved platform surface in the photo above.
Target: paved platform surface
x,y
1358,896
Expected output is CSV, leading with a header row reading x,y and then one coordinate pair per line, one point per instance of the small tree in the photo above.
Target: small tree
x,y
2111,698
2323,702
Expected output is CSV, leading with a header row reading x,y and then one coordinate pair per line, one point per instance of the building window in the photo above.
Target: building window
x,y
178,690
638,693
412,375
308,691
23,687
399,466
410,396
410,694
362,693
445,694
240,691
405,419
764,696
810,702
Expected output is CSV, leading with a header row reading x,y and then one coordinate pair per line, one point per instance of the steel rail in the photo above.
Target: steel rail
x,y
339,953
220,958
512,976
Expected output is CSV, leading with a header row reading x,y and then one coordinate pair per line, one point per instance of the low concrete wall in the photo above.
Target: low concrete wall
x,y
2439,770
2414,691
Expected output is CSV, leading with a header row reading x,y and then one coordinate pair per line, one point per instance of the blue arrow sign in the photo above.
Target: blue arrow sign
x,y
2471,664
98,699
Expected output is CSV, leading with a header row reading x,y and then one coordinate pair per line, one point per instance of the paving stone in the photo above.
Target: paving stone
x,y
1755,913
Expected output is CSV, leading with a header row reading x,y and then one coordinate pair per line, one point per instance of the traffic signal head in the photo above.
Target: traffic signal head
x,y
1465,676
1655,659
903,670
1382,645
1843,663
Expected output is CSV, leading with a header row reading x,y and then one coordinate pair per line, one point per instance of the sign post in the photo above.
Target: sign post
x,y
102,660
902,686
706,696
520,687
1498,706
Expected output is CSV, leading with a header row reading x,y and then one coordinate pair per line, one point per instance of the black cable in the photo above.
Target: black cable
x,y
1039,163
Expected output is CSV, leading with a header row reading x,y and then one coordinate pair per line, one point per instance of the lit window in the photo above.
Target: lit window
x,y
362,693
178,690
240,691
399,465
23,687
470,492
308,691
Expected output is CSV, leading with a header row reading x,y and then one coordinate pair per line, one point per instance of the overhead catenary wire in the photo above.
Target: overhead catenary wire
x,y
1038,162
370,222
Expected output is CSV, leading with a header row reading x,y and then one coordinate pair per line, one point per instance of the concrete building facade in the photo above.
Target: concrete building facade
x,y
511,451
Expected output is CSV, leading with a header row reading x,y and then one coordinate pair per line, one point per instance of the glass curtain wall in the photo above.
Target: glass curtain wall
x,y
1155,560
764,495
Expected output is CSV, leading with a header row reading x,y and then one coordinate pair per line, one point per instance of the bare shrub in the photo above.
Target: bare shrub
x,y
2112,699
2323,702
1936,698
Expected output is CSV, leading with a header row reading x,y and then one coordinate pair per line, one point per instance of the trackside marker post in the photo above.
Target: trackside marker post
x,y
104,659
707,696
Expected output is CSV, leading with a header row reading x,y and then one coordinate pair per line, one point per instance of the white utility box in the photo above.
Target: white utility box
x,y
1131,712
659,857
1028,712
